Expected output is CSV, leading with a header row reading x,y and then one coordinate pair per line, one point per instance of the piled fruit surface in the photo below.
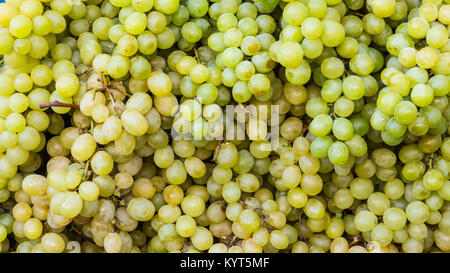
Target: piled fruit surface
x,y
224,126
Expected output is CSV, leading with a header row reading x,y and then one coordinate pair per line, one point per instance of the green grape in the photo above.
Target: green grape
x,y
315,107
314,209
356,145
344,107
397,42
320,145
321,125
353,26
141,209
362,64
300,74
365,221
20,26
418,27
388,101
417,212
207,93
439,84
373,24
421,95
332,67
342,129
197,8
333,33
353,87
312,48
338,153
67,84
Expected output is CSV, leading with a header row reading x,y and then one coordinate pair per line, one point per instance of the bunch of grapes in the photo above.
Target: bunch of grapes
x,y
231,126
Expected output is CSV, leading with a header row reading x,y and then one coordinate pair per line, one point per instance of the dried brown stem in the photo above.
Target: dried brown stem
x,y
79,232
356,239
217,149
58,104
231,239
196,55
105,87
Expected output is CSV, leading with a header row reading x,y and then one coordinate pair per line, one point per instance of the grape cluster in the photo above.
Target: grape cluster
x,y
116,133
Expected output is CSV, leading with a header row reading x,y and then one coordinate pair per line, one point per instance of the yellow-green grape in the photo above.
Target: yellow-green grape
x,y
279,239
195,167
17,155
112,243
22,212
53,243
56,179
32,228
333,33
34,185
41,75
29,138
290,54
295,13
61,67
134,122
193,205
23,82
426,57
3,233
67,84
118,66
88,191
249,220
100,113
202,238
365,221
102,163
140,102
166,7
7,11
18,102
159,83
141,209
20,26
73,179
83,147
383,8
67,204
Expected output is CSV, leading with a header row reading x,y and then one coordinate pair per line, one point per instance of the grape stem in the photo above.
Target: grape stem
x,y
58,104
86,172
196,55
105,86
305,129
74,228
230,240
186,246
358,14
357,239
217,149
91,130
89,69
